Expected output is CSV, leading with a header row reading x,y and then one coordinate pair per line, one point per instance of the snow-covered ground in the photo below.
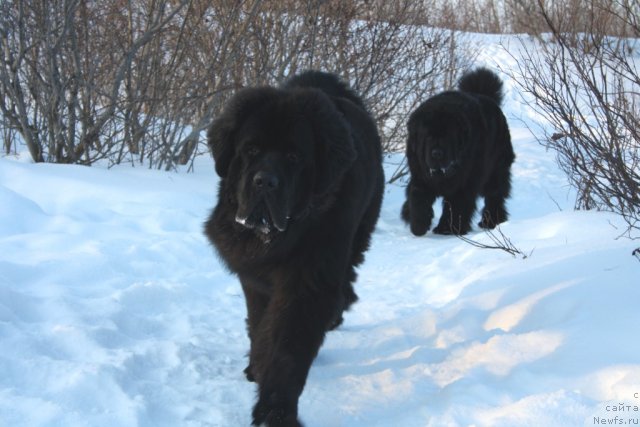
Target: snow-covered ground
x,y
115,311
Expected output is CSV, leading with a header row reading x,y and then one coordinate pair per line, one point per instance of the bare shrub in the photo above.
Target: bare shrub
x,y
138,81
479,16
62,73
585,86
524,16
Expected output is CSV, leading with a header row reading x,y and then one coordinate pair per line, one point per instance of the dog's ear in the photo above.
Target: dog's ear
x,y
335,149
221,134
414,149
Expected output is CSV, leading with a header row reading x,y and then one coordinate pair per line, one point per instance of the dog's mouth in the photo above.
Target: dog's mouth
x,y
264,217
444,171
262,224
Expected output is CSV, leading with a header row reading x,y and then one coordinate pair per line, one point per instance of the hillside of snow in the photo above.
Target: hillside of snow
x,y
115,310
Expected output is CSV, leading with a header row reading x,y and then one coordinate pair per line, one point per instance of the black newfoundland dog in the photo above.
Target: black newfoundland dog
x,y
459,148
300,193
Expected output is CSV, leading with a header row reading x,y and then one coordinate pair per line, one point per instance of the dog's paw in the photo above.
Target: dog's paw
x,y
487,224
419,230
420,226
443,229
489,221
273,415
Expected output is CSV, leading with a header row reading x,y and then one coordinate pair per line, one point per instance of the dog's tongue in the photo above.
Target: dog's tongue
x,y
279,218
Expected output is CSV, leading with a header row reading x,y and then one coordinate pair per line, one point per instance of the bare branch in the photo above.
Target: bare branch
x,y
499,241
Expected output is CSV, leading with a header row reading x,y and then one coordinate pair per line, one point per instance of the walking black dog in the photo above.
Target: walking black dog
x,y
300,193
459,148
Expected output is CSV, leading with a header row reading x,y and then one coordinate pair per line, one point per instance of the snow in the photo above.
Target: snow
x,y
115,310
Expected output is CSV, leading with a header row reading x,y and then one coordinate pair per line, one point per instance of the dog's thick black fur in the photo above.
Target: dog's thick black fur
x,y
459,148
300,193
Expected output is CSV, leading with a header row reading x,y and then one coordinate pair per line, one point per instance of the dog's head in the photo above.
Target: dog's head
x,y
440,139
276,150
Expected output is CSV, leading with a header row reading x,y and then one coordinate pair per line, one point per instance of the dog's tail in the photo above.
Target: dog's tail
x,y
326,82
484,82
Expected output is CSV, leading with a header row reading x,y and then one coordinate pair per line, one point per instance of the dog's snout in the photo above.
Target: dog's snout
x,y
265,181
437,154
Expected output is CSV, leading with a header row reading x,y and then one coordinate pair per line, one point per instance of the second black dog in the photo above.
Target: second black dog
x,y
459,148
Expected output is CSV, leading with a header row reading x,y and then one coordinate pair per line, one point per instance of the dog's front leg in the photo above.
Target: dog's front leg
x,y
290,336
256,295
457,211
418,209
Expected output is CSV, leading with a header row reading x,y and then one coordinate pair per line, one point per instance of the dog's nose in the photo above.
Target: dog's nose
x,y
437,153
265,181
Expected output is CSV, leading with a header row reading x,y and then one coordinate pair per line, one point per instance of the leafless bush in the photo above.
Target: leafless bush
x,y
62,71
586,86
523,16
572,16
479,16
138,81
378,47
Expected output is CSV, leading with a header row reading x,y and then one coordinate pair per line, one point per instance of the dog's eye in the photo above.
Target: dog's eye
x,y
293,157
253,151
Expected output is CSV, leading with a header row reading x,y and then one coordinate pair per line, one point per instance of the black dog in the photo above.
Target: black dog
x,y
459,148
300,193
